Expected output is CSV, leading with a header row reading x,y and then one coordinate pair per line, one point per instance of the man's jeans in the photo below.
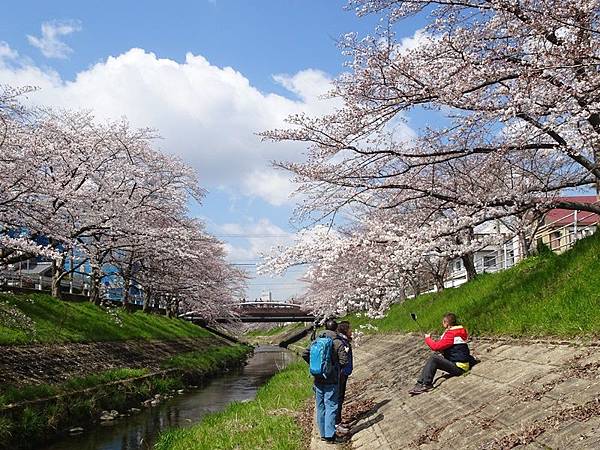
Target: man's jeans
x,y
434,363
326,396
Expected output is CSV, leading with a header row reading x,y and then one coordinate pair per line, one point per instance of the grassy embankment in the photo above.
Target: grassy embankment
x,y
27,319
198,364
545,295
268,422
280,329
38,318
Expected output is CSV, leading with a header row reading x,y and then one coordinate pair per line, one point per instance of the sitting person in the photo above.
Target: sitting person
x,y
455,358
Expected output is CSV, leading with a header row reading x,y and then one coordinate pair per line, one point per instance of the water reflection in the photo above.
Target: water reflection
x,y
140,431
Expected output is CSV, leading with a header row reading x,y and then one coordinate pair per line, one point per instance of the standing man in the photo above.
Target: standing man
x,y
455,359
326,356
344,331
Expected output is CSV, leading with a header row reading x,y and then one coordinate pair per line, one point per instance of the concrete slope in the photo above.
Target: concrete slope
x,y
534,395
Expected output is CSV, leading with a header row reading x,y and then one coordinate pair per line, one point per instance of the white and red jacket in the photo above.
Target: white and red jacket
x,y
452,344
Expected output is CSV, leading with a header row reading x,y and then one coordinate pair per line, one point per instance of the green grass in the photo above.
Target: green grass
x,y
208,360
275,330
265,423
39,318
14,394
545,295
29,425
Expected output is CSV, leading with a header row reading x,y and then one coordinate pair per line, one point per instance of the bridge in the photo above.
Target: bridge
x,y
270,312
249,312
262,312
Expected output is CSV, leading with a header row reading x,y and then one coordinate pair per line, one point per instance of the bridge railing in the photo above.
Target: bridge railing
x,y
267,305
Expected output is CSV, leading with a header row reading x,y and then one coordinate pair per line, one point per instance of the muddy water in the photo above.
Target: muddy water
x,y
140,431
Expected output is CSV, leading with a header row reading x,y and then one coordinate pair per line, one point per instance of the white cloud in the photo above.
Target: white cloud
x,y
252,239
420,38
208,115
6,52
308,86
416,40
274,186
50,43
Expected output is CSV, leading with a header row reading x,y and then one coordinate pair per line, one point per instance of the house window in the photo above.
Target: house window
x,y
457,265
555,240
489,261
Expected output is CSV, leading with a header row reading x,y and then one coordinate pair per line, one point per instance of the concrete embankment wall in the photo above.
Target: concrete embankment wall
x,y
524,394
51,363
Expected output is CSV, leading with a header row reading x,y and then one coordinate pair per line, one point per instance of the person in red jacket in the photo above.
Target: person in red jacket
x,y
455,357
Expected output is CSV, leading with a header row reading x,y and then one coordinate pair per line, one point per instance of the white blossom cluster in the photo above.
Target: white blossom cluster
x,y
14,318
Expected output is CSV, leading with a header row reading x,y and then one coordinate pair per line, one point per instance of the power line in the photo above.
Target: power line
x,y
251,235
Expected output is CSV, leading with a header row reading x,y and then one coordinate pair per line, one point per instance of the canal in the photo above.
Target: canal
x,y
140,431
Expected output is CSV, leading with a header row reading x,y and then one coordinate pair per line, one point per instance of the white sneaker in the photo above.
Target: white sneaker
x,y
341,429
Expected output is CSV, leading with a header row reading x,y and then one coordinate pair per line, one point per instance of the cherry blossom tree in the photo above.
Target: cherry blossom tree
x,y
184,269
101,191
511,89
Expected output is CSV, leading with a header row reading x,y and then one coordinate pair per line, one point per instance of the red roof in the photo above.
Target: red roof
x,y
566,216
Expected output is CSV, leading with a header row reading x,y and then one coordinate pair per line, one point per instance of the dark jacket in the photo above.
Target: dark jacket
x,y
347,369
339,357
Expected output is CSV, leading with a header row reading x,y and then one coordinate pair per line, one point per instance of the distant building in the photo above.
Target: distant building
x,y
266,296
562,227
488,259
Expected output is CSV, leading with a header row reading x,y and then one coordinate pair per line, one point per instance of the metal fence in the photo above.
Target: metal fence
x,y
43,283
74,286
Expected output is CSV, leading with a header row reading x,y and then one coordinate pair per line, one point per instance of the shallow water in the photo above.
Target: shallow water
x,y
141,430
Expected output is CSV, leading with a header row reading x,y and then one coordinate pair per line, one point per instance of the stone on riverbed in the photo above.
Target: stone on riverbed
x,y
107,416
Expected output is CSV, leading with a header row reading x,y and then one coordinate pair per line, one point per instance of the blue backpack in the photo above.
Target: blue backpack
x,y
320,357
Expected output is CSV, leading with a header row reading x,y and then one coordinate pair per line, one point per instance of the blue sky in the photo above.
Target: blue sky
x,y
208,75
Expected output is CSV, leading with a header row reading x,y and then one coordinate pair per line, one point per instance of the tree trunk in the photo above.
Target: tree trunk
x,y
96,276
58,271
147,301
524,245
439,282
469,263
415,286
